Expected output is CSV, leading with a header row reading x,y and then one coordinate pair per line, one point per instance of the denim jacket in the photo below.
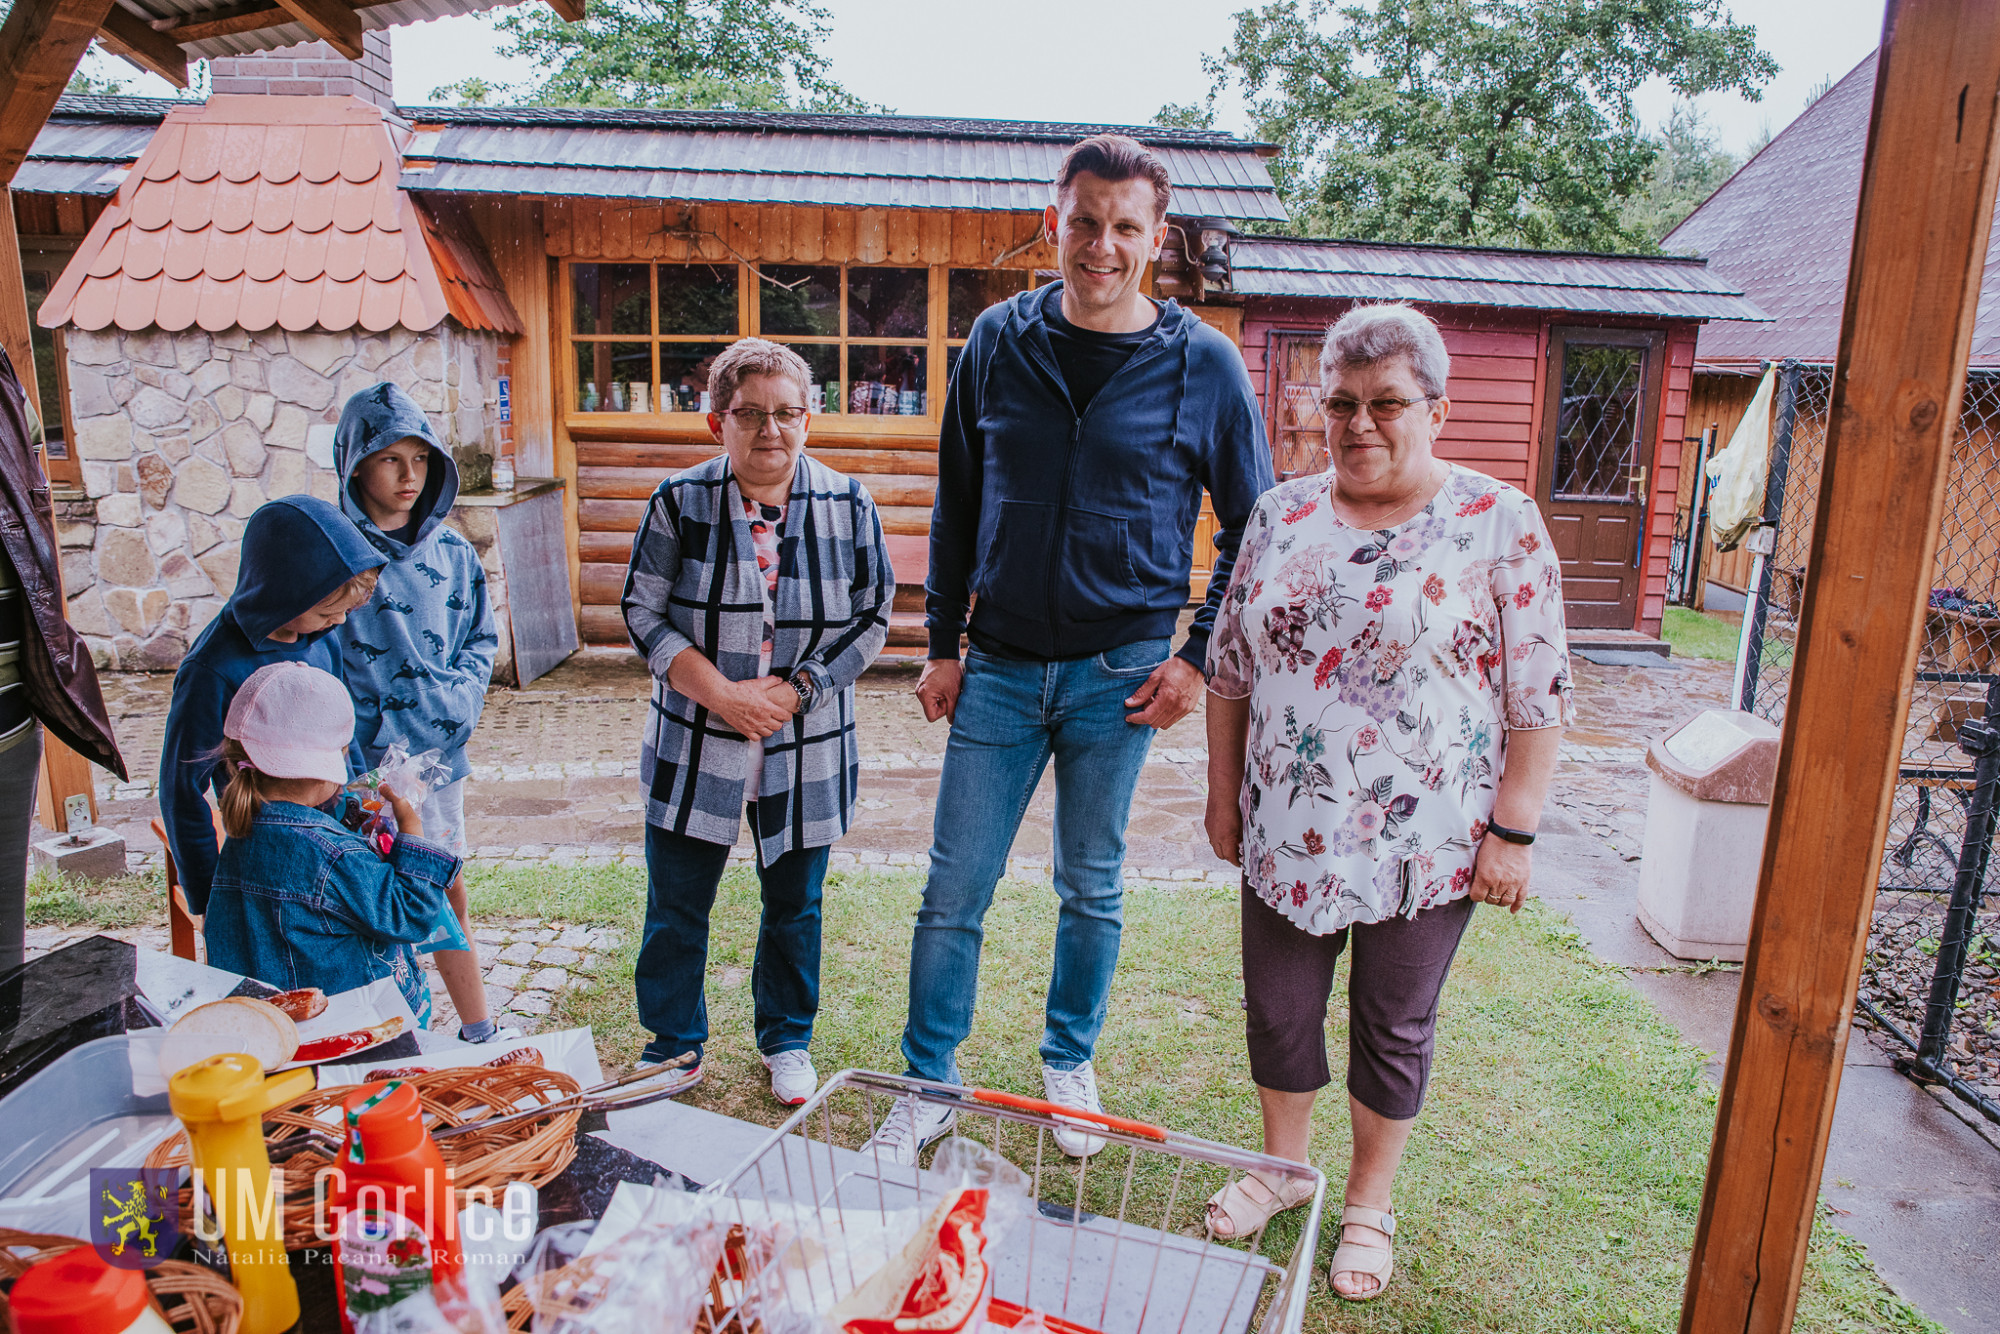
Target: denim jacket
x,y
306,902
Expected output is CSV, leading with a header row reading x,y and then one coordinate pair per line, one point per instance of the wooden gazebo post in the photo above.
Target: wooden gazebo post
x,y
1927,198
40,45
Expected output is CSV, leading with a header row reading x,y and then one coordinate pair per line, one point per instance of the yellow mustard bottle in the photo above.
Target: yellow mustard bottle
x,y
222,1102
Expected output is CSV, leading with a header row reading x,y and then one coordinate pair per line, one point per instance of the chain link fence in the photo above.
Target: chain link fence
x,y
1929,981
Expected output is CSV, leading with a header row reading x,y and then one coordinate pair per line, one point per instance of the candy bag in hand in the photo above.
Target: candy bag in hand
x,y
414,776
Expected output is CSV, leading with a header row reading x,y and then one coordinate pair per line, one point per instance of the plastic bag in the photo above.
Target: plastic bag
x,y
411,776
369,814
940,1281
655,1277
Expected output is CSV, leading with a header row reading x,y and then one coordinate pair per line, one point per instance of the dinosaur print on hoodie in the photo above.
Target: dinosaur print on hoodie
x,y
419,655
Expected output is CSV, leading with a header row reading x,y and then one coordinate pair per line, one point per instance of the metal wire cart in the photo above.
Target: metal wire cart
x,y
1115,1243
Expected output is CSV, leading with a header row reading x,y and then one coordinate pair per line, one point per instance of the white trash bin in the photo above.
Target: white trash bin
x,y
1705,820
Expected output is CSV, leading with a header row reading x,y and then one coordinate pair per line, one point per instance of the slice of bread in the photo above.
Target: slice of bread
x,y
256,1028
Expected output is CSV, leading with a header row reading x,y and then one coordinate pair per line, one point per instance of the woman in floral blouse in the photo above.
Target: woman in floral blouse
x,y
1389,684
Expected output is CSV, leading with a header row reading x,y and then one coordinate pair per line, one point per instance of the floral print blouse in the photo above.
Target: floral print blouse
x,y
1384,669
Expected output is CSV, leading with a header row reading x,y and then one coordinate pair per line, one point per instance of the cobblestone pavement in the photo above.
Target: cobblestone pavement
x,y
555,781
555,769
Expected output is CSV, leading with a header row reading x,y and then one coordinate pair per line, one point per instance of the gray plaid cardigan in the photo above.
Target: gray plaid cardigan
x,y
694,583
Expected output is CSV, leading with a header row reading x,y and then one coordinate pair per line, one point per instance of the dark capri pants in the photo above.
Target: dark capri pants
x,y
1392,1001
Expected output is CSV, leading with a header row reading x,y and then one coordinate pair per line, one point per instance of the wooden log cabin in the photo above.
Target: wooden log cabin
x,y
635,244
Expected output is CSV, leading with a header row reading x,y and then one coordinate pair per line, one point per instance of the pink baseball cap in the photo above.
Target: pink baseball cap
x,y
294,721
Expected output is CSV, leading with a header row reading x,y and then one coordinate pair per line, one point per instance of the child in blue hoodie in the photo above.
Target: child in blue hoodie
x,y
301,569
419,655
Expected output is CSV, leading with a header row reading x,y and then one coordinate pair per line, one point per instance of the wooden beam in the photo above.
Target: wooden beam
x,y
64,773
331,21
124,35
16,320
1926,206
569,10
230,20
40,45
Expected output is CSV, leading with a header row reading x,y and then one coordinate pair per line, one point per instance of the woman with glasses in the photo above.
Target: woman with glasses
x,y
758,592
1389,682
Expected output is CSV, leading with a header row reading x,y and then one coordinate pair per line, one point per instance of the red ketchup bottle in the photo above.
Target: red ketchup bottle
x,y
390,1166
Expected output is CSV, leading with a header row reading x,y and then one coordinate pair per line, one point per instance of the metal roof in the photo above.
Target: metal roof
x,y
1783,227
75,154
680,155
825,123
1670,287
258,211
762,157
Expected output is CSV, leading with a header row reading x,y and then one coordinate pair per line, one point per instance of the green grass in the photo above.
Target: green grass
x,y
1694,635
1553,1181
126,900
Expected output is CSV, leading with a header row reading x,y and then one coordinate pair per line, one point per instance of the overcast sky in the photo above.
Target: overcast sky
x,y
1044,59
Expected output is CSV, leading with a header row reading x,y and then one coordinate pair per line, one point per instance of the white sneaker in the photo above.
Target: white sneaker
x,y
910,1127
793,1078
690,1076
1074,1088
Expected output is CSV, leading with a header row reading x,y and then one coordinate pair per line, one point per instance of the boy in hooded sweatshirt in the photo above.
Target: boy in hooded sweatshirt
x,y
301,570
419,654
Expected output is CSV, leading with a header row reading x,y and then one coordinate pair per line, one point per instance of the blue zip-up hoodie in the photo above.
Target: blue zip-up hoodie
x,y
1077,533
295,552
420,654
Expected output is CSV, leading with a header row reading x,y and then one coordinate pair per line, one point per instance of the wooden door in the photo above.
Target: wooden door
x,y
1228,320
1598,428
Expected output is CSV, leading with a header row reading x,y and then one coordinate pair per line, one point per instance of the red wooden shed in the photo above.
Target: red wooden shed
x,y
1570,377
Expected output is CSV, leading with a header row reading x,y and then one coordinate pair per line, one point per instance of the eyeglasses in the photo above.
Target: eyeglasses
x,y
1381,409
752,419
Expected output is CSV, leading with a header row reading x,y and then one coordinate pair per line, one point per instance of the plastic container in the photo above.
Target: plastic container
x,y
78,1293
101,1104
222,1102
389,1163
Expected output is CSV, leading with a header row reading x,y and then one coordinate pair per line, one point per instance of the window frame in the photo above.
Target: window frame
x,y
749,312
1276,357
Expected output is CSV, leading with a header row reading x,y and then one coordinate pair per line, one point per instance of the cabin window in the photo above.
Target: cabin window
x,y
880,339
1298,433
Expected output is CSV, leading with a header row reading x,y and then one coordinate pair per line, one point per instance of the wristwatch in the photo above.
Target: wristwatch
x,y
1503,833
804,687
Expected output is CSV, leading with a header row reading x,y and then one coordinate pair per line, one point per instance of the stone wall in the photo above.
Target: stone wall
x,y
181,436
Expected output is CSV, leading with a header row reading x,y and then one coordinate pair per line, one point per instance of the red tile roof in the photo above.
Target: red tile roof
x,y
262,211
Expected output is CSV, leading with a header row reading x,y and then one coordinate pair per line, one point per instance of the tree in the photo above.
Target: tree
x,y
1688,166
736,55
1492,122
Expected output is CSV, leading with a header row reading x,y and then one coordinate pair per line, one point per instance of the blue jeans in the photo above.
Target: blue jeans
x,y
1012,717
682,874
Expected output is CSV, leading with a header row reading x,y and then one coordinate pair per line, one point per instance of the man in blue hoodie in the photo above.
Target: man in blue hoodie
x,y
301,569
419,655
1083,423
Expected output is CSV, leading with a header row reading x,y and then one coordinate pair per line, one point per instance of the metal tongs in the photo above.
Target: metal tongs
x,y
592,1099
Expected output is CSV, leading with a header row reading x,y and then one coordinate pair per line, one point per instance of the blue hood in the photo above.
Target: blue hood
x,y
373,420
295,552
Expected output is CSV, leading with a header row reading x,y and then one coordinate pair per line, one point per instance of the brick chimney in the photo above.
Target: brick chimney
x,y
310,69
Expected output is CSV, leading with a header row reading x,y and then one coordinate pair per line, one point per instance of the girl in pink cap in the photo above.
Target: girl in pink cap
x,y
300,900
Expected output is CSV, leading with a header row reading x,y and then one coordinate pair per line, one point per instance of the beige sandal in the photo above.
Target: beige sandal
x,y
1354,1257
1246,1204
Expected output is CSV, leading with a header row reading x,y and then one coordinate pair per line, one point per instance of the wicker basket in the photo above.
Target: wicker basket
x,y
534,1149
195,1300
576,1288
